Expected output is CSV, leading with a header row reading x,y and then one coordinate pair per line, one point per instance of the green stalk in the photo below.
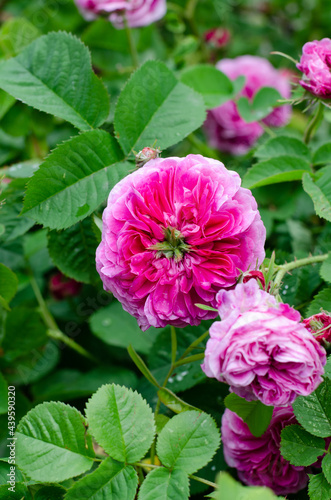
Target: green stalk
x,y
190,359
53,331
285,268
315,120
194,345
132,45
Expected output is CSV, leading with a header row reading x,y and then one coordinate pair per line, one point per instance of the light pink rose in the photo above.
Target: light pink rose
x,y
225,129
261,349
137,12
175,232
315,63
258,459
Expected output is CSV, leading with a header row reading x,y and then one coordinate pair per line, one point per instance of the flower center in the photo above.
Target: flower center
x,y
173,246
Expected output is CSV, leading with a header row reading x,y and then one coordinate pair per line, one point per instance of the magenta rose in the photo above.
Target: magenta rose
x,y
261,349
315,63
175,232
62,287
258,459
320,326
225,128
137,12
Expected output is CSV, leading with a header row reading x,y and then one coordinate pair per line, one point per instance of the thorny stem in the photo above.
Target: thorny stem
x,y
132,45
53,331
313,123
285,268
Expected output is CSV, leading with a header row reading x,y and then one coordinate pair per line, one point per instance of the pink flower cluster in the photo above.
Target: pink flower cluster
x,y
258,459
320,326
261,349
225,128
175,232
315,63
137,12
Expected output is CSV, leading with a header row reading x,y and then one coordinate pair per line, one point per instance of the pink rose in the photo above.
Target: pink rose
x,y
315,63
258,459
320,326
137,12
225,128
175,232
261,349
217,37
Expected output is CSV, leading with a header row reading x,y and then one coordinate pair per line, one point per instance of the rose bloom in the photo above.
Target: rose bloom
x,y
217,37
226,130
318,322
175,232
137,12
261,349
62,287
258,459
315,63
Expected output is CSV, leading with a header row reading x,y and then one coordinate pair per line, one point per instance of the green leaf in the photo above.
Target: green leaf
x,y
74,180
215,87
11,204
188,441
8,283
170,400
274,170
320,192
162,484
299,447
122,422
325,271
15,34
118,328
6,102
24,331
52,443
3,395
229,489
326,466
321,301
20,492
313,412
282,146
262,105
23,169
73,251
322,155
54,74
254,413
155,106
55,492
111,480
319,488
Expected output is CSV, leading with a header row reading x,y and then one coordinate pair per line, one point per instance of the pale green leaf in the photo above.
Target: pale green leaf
x,y
274,170
54,74
110,481
299,447
320,192
188,441
261,106
74,180
15,34
52,443
322,155
162,484
325,271
155,106
282,146
121,421
8,283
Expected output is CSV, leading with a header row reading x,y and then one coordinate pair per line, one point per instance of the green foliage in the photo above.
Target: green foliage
x,y
282,146
15,34
155,106
229,489
73,251
111,480
254,413
274,170
188,441
313,412
53,74
8,283
53,444
3,396
299,447
261,106
321,301
122,422
164,484
118,328
322,155
320,192
325,270
86,164
319,488
215,87
54,492
170,400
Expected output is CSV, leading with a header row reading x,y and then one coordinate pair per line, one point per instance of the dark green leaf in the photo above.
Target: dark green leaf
x,y
325,270
282,146
274,170
321,301
55,492
319,488
3,395
326,466
313,412
8,283
320,192
162,484
254,413
299,447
